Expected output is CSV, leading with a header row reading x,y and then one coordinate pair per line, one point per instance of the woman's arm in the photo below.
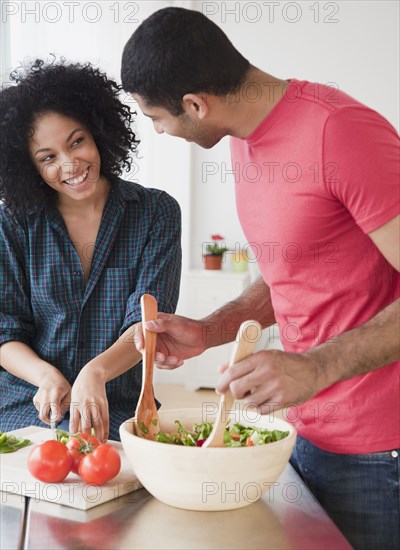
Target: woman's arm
x,y
53,395
89,404
159,275
17,324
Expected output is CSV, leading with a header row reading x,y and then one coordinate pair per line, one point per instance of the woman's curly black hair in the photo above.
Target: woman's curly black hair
x,y
79,91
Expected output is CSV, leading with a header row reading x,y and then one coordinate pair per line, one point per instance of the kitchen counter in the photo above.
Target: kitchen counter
x,y
287,517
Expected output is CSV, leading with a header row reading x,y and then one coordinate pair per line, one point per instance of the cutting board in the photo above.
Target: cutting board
x,y
73,491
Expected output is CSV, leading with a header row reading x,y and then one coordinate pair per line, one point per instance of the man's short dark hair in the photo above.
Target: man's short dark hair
x,y
177,51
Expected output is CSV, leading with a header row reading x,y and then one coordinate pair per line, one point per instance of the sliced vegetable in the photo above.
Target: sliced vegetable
x,y
62,436
9,443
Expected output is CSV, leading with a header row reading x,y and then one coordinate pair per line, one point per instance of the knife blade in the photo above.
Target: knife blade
x,y
53,421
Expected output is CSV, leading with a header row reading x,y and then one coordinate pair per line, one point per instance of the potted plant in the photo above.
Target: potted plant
x,y
214,253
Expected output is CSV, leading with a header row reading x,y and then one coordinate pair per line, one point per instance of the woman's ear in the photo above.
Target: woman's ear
x,y
195,105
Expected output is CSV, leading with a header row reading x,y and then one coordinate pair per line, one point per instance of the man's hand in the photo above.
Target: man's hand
x,y
272,377
53,396
181,338
89,405
178,338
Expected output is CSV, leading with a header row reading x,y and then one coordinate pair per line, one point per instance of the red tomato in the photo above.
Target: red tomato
x,y
101,465
80,445
50,461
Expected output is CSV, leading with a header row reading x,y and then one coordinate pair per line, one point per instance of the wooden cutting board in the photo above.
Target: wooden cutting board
x,y
73,491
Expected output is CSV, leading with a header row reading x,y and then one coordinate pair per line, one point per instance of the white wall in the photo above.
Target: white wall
x,y
354,44
97,31
351,43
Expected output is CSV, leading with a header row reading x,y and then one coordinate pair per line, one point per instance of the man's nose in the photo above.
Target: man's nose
x,y
158,128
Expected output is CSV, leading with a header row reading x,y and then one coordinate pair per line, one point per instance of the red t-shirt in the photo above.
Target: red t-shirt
x,y
315,177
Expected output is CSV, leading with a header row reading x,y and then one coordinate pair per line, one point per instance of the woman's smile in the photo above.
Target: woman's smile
x,y
78,180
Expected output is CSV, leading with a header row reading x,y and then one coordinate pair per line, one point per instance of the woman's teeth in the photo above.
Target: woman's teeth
x,y
76,181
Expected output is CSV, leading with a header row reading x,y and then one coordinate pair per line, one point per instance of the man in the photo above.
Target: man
x,y
325,209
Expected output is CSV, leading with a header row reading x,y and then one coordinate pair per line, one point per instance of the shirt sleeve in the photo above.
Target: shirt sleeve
x,y
160,269
16,317
361,165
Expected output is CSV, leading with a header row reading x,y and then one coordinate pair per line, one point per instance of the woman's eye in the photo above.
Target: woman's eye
x,y
45,159
79,140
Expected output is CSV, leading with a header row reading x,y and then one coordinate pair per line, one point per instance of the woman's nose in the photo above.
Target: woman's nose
x,y
69,166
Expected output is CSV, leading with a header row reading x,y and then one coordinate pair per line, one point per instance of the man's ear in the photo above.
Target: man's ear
x,y
195,105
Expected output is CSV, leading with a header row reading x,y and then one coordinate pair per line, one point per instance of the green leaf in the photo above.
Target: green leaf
x,y
63,436
143,428
163,438
216,250
13,444
235,436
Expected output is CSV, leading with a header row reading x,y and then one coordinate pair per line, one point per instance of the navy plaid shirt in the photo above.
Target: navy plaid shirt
x,y
45,303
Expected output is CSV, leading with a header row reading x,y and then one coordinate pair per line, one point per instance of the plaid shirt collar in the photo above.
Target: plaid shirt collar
x,y
114,208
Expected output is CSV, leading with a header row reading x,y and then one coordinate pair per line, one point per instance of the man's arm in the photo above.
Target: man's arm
x,y
363,349
254,303
273,376
375,343
181,338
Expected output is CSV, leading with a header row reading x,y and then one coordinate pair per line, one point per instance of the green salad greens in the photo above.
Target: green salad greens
x,y
9,443
235,436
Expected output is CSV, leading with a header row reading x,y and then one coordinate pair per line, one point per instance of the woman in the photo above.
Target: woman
x,y
79,248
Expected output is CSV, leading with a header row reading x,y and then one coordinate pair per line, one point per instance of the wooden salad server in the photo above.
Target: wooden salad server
x,y
248,335
146,417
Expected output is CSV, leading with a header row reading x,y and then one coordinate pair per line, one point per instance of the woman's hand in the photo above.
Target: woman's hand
x,y
53,396
89,405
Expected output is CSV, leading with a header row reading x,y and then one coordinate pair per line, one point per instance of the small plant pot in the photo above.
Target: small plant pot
x,y
211,261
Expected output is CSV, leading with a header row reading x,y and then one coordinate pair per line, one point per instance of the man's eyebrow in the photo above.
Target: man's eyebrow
x,y
45,149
